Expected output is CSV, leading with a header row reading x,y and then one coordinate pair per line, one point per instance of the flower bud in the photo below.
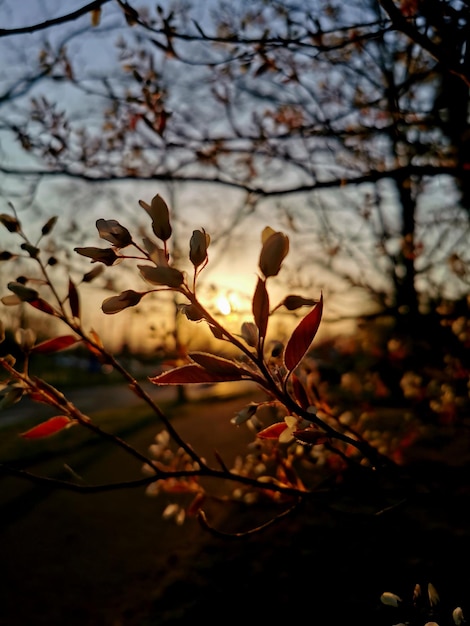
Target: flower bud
x,y
160,214
198,247
432,595
274,250
25,338
112,231
457,616
295,302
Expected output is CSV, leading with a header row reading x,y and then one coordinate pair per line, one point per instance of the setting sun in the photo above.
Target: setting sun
x,y
228,302
223,304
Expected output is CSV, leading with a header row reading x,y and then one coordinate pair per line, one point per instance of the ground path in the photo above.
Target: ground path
x,y
109,559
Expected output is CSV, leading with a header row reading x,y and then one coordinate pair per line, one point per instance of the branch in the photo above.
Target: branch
x,y
372,176
403,25
202,518
68,17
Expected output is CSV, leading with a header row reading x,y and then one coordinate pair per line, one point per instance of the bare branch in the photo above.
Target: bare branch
x,y
63,19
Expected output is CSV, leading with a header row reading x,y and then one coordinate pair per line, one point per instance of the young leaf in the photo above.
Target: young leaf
x,y
217,365
74,299
49,225
11,300
126,299
273,431
47,428
261,307
192,374
250,333
303,335
26,294
92,274
311,437
95,17
98,255
42,305
300,393
169,276
55,345
10,223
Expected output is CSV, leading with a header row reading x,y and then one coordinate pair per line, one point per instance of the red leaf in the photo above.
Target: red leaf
x,y
300,393
261,307
43,306
74,299
191,374
56,344
218,365
311,437
273,431
300,340
47,428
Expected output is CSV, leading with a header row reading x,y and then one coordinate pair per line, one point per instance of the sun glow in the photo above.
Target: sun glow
x,y
228,303
223,304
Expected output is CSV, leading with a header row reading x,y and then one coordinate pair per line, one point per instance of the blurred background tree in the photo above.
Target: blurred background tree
x,y
346,125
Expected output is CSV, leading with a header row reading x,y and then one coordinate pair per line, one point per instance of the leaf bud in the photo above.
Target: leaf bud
x,y
274,250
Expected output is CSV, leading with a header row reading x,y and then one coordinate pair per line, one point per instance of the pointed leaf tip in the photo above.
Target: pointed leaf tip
x,y
193,374
47,428
55,345
273,431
